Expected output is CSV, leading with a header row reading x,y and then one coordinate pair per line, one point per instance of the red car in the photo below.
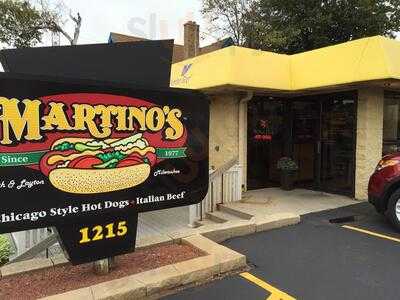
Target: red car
x,y
384,188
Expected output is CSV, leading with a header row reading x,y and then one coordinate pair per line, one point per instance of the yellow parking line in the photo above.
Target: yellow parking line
x,y
383,236
275,293
274,297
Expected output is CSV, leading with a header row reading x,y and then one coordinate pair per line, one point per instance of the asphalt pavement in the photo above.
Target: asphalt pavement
x,y
345,253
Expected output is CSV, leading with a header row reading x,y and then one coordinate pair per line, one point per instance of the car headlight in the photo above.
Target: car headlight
x,y
386,163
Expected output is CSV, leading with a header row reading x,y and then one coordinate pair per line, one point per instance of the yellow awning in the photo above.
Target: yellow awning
x,y
366,59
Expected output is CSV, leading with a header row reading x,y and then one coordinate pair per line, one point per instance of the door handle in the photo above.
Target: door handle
x,y
319,147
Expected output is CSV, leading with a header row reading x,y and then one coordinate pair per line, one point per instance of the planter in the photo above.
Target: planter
x,y
288,179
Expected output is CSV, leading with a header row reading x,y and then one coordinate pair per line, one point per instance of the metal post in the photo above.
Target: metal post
x,y
222,188
192,216
103,266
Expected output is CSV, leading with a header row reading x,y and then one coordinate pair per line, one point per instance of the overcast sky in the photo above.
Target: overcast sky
x,y
153,19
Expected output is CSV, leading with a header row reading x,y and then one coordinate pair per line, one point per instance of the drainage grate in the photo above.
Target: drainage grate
x,y
252,265
346,219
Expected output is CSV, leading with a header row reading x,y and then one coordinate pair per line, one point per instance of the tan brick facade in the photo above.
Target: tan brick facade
x,y
369,137
224,129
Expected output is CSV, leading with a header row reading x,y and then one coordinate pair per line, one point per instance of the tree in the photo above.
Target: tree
x,y
52,18
291,26
23,24
20,24
228,17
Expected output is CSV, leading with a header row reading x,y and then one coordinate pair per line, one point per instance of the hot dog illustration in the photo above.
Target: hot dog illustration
x,y
88,166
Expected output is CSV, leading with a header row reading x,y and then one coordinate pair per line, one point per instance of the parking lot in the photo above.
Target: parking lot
x,y
345,253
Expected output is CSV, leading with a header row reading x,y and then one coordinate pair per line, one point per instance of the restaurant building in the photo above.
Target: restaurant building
x,y
334,110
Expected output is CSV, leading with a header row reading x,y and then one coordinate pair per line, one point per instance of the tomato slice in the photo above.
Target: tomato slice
x,y
135,156
85,162
152,158
130,161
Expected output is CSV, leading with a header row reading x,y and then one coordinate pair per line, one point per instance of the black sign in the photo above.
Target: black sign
x,y
86,157
142,63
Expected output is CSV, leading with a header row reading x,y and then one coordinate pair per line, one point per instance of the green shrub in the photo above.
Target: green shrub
x,y
5,249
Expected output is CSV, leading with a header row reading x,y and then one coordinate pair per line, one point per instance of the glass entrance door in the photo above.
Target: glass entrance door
x,y
338,144
324,142
306,136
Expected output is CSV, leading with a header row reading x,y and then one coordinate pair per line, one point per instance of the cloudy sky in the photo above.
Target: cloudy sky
x,y
153,19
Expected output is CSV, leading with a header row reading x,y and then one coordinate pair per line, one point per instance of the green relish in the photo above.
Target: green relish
x,y
105,157
64,146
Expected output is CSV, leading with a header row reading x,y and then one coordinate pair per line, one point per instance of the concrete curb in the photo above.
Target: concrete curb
x,y
218,260
230,229
215,232
275,221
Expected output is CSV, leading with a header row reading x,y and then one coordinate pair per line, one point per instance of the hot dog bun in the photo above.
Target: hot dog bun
x,y
95,181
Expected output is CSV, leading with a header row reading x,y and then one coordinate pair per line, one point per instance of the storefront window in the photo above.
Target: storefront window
x,y
265,141
391,123
316,131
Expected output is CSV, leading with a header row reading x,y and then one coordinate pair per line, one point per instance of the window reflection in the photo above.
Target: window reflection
x,y
391,125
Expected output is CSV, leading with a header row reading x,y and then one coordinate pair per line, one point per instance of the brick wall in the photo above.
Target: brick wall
x,y
369,137
224,129
191,39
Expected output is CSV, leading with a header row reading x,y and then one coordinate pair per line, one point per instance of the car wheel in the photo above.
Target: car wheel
x,y
393,209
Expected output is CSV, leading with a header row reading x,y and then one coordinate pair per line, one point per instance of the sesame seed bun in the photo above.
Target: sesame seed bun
x,y
96,181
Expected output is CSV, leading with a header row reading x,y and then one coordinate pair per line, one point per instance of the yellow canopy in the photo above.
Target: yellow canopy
x,y
366,59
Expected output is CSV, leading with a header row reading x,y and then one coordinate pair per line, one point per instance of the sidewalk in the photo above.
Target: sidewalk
x,y
164,225
262,202
163,222
258,203
299,201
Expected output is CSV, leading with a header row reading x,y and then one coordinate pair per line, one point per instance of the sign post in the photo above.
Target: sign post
x,y
103,266
87,157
